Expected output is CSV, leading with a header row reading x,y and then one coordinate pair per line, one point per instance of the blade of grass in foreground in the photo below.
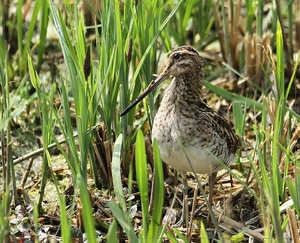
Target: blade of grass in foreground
x,y
294,189
181,236
280,82
155,229
111,234
276,179
142,179
5,214
297,188
116,173
203,234
89,225
121,218
120,215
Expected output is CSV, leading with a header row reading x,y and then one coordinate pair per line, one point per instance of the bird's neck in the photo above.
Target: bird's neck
x,y
185,89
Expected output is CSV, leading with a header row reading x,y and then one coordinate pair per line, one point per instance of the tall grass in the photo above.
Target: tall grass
x,y
12,105
47,124
109,76
123,59
40,12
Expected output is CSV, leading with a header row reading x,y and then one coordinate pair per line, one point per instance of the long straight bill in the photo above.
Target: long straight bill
x,y
153,85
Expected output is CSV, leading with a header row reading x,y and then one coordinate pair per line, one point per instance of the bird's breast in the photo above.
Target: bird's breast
x,y
186,139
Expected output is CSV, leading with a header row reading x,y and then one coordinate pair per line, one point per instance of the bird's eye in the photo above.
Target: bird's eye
x,y
176,56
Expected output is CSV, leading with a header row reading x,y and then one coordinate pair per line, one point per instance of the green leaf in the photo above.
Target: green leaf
x,y
181,236
154,233
116,173
203,234
35,81
142,179
280,82
237,238
125,224
237,98
88,220
111,236
297,188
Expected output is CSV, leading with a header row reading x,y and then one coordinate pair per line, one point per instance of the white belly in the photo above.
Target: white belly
x,y
197,159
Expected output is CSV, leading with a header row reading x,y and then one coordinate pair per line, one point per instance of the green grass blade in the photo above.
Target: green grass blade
x,y
116,173
277,189
181,236
297,188
239,115
280,83
5,216
44,20
121,218
87,215
29,34
154,234
111,236
203,235
142,179
294,188
234,97
64,218
35,81
20,32
293,76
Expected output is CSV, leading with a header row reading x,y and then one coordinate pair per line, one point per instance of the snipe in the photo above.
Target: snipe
x,y
184,121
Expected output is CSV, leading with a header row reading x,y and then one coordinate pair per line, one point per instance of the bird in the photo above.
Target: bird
x,y
191,136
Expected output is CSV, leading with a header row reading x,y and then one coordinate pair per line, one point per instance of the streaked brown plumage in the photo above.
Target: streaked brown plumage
x,y
184,120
